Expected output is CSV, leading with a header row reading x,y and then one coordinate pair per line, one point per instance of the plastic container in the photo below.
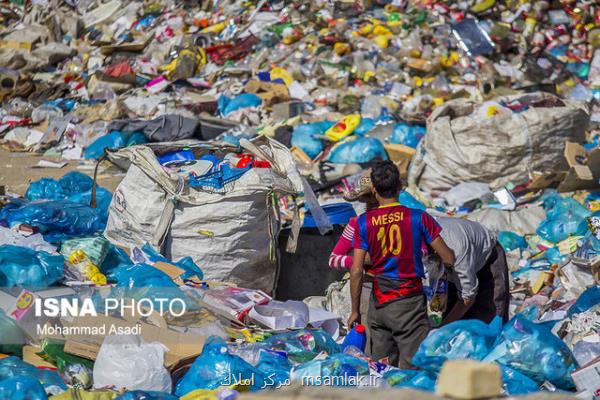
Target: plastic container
x,y
343,128
357,337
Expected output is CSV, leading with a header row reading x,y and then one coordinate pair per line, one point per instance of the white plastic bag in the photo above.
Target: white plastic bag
x,y
128,362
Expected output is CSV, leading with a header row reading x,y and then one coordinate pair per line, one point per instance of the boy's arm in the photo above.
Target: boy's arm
x,y
356,282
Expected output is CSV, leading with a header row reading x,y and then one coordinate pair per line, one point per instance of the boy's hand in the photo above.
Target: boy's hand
x,y
354,318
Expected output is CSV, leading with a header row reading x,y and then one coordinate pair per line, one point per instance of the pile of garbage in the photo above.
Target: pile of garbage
x,y
233,121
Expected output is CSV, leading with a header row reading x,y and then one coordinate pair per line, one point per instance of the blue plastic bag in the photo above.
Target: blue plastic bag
x,y
216,367
533,350
145,395
511,241
21,266
408,200
50,189
302,345
423,380
336,370
408,135
22,388
112,141
366,124
588,299
515,383
227,105
304,137
356,149
564,217
186,263
12,367
466,339
57,220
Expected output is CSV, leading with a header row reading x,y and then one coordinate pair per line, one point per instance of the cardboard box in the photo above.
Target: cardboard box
x,y
401,155
181,345
584,168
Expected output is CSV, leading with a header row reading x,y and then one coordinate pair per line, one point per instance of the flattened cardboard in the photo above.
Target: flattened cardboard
x,y
584,172
30,356
181,345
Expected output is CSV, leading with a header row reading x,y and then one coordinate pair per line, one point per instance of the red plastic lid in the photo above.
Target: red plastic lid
x,y
360,328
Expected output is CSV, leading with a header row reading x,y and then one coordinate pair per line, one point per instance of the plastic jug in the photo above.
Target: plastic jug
x,y
357,337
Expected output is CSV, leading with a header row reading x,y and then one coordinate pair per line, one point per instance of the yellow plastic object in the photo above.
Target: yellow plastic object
x,y
216,28
381,30
382,41
201,394
281,73
343,128
89,270
366,29
483,6
341,48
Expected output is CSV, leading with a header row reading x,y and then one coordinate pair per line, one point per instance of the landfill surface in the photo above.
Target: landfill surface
x,y
172,177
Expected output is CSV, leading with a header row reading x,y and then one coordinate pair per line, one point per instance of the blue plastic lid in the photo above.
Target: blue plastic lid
x,y
338,214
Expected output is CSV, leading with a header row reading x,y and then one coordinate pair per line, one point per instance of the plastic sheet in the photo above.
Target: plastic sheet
x,y
20,266
534,351
186,263
317,212
467,339
408,200
357,150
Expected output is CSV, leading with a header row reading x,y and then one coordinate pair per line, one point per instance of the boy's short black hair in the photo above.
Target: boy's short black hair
x,y
386,179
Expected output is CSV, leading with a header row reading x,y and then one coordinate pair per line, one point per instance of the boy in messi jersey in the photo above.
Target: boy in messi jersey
x,y
392,235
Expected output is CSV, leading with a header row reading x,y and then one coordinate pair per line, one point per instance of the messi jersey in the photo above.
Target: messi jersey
x,y
392,235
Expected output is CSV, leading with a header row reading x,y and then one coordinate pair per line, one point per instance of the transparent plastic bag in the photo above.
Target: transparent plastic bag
x,y
127,361
21,266
466,339
533,350
303,345
356,149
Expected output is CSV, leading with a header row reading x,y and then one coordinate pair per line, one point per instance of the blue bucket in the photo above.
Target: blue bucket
x,y
338,214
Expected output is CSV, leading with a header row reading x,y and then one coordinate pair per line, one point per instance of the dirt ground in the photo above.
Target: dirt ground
x,y
16,171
